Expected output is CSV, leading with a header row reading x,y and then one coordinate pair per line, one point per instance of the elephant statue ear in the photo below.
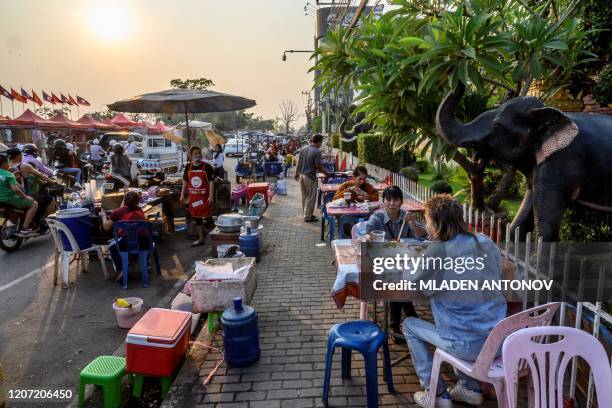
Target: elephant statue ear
x,y
548,122
554,129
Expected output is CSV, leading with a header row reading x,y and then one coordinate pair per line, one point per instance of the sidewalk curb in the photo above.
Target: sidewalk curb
x,y
120,350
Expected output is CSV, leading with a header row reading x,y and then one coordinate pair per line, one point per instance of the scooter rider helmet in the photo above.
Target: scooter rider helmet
x,y
96,141
30,148
59,143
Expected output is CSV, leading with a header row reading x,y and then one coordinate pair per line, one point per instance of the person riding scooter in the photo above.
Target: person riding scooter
x,y
30,156
12,195
96,155
63,159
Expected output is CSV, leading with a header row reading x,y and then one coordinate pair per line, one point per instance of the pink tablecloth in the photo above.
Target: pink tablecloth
x,y
409,205
347,277
329,187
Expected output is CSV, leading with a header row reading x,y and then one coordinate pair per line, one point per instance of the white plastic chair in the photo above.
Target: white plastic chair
x,y
62,256
548,363
487,367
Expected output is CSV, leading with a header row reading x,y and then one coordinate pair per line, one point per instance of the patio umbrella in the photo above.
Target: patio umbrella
x,y
183,101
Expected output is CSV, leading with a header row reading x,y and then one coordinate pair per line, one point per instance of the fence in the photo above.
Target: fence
x,y
498,230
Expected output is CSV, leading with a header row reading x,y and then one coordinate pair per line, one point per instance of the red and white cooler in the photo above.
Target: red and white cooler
x,y
156,345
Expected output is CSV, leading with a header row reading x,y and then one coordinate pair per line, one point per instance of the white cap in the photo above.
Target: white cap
x,y
96,141
69,146
112,142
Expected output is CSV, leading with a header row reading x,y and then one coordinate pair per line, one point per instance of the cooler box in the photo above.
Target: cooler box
x,y
157,344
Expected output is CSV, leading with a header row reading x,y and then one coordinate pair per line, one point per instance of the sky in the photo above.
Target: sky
x,y
109,50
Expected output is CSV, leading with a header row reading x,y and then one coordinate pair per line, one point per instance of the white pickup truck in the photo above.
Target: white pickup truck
x,y
158,155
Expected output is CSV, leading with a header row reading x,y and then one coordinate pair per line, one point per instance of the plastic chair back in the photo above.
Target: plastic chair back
x,y
56,227
131,231
548,363
536,316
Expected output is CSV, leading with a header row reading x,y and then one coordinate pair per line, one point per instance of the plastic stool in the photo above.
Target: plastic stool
x,y
107,372
366,338
139,379
254,188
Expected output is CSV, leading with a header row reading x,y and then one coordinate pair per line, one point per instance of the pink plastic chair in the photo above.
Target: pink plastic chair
x,y
487,367
548,363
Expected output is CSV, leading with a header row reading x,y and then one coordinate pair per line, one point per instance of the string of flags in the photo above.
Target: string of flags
x,y
24,97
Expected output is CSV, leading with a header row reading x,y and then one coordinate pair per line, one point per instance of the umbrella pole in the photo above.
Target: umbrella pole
x,y
187,126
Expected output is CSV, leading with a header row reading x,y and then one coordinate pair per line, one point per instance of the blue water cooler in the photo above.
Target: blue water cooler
x,y
240,335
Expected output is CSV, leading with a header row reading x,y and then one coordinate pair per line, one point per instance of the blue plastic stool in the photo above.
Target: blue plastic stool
x,y
132,232
366,338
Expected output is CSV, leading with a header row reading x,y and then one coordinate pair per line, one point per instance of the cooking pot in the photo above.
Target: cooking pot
x,y
254,220
229,222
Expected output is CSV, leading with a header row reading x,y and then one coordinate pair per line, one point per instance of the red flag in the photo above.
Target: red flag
x,y
6,93
82,101
36,99
71,100
48,98
63,99
55,99
18,96
26,95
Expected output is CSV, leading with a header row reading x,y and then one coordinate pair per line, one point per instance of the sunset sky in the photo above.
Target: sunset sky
x,y
109,50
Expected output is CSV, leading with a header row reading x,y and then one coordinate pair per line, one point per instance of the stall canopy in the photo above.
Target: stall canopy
x,y
159,128
68,123
123,121
91,123
29,118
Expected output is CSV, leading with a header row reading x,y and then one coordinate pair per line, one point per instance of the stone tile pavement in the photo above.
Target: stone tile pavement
x,y
295,313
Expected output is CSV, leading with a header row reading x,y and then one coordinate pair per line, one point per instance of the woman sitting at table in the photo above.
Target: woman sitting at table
x,y
129,211
390,219
463,320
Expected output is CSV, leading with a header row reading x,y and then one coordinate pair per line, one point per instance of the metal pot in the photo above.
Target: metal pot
x,y
229,222
254,220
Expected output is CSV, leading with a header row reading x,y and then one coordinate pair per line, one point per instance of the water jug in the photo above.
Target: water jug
x,y
249,244
240,334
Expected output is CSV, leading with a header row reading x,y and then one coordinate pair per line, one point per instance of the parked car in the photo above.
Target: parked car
x,y
235,147
120,137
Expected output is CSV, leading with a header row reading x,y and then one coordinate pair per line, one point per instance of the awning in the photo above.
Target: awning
x,y
123,121
91,123
29,118
68,123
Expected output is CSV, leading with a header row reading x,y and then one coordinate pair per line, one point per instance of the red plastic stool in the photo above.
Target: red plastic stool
x,y
254,188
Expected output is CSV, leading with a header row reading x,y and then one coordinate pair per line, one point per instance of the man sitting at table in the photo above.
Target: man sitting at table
x,y
360,191
390,219
129,211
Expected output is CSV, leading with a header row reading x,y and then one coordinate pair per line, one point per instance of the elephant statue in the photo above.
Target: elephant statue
x,y
565,157
360,127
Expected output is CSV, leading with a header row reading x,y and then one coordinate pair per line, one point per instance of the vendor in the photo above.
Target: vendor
x,y
198,189
390,219
121,164
359,188
129,211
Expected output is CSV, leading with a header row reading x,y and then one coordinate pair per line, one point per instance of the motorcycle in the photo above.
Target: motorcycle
x,y
11,220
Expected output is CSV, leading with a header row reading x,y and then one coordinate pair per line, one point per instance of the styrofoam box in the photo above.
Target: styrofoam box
x,y
217,295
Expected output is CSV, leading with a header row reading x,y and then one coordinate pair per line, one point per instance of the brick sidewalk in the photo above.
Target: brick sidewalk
x,y
295,312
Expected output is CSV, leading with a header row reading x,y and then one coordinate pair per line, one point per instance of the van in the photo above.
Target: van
x,y
235,147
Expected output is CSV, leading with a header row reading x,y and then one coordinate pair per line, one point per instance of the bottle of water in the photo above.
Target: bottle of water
x,y
361,229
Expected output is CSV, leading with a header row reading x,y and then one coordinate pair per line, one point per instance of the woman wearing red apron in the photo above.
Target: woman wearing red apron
x,y
198,190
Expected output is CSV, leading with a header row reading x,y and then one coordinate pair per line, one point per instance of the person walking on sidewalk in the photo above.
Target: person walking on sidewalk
x,y
309,162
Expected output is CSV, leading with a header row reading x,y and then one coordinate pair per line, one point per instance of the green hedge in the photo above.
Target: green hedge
x,y
375,150
335,140
350,147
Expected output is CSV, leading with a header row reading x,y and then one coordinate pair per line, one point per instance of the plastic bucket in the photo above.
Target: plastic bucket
x,y
77,221
249,245
127,317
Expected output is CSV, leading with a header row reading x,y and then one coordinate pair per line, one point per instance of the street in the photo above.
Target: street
x,y
48,334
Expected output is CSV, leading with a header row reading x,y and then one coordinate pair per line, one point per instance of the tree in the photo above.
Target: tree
x,y
47,113
309,111
289,114
405,62
197,83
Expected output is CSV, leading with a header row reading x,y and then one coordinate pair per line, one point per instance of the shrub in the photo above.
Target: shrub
x,y
602,91
423,165
349,147
376,150
335,140
493,176
410,173
441,187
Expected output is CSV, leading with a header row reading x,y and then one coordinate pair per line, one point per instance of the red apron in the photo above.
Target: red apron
x,y
198,194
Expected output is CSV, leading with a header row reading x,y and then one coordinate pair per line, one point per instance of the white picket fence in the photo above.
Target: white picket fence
x,y
498,230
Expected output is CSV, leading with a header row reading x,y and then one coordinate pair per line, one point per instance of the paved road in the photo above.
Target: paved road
x,y
48,334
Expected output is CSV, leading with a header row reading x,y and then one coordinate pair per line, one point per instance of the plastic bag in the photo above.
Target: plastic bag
x,y
220,272
258,201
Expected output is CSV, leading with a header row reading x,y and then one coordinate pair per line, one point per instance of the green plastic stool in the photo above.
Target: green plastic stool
x,y
139,379
213,321
107,372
